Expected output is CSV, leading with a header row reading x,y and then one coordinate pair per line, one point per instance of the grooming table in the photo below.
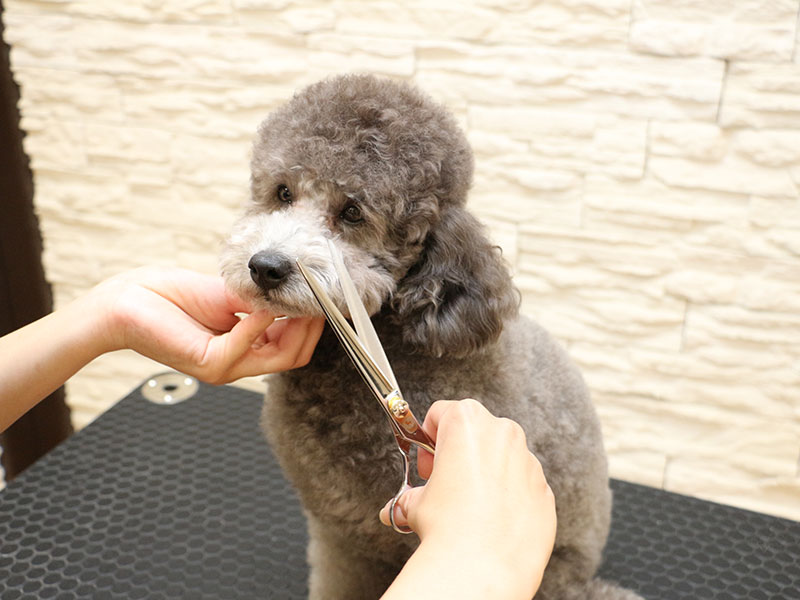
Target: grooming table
x,y
185,500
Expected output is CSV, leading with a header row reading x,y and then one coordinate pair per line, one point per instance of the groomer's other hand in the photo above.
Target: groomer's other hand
x,y
188,321
486,500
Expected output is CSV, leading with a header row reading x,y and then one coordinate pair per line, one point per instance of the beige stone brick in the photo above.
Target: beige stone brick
x,y
529,122
761,95
455,87
206,160
632,86
188,11
582,23
762,293
40,40
217,198
298,17
690,429
769,148
185,11
527,176
413,19
159,50
703,287
719,482
777,221
209,108
531,196
619,148
753,282
618,316
251,5
699,141
79,196
128,143
733,326
622,251
558,140
652,208
731,29
732,246
329,53
493,146
140,172
731,161
759,446
742,381
68,95
645,467
54,143
796,46
733,174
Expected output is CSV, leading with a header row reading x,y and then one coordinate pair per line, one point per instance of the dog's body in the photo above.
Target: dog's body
x,y
383,171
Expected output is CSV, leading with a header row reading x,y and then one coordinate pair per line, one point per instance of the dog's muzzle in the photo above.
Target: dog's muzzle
x,y
269,269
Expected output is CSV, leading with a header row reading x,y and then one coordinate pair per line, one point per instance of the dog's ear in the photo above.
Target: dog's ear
x,y
454,299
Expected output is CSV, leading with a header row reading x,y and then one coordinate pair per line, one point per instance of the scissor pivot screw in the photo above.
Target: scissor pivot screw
x,y
399,407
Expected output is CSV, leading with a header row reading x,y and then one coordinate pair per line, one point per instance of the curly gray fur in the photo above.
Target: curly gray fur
x,y
383,171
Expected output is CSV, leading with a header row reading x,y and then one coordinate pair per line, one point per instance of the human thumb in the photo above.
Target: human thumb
x,y
250,330
405,506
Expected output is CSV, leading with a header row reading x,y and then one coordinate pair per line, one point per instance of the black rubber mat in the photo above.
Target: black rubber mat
x,y
185,501
668,546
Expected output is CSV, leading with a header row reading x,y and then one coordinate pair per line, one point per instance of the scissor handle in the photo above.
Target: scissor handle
x,y
404,529
404,448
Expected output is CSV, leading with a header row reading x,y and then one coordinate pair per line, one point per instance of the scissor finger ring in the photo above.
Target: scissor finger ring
x,y
405,529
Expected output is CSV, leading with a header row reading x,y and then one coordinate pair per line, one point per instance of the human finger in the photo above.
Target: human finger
x,y
283,350
298,338
225,351
433,420
316,326
402,508
430,425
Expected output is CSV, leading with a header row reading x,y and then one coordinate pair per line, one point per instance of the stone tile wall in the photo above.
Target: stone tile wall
x,y
638,161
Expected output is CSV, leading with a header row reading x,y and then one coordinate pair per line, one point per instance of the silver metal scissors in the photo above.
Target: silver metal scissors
x,y
365,350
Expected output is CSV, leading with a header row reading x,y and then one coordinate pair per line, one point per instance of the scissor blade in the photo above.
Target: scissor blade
x,y
405,427
366,331
371,373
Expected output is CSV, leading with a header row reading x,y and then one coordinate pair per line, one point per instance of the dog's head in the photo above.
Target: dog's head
x,y
382,171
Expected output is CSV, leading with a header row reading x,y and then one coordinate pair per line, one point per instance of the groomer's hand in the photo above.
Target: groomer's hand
x,y
486,506
189,321
180,318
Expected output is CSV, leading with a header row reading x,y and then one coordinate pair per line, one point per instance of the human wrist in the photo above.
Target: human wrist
x,y
99,328
467,567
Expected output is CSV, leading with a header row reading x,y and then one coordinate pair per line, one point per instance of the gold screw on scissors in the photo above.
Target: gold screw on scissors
x,y
365,350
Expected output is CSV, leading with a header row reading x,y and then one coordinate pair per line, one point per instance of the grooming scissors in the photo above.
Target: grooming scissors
x,y
365,350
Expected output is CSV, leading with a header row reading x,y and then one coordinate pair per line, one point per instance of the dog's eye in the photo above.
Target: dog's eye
x,y
284,194
352,214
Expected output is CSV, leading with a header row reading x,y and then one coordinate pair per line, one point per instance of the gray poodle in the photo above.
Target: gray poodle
x,y
383,171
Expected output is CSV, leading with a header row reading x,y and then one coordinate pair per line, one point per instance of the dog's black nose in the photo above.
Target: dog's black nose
x,y
269,269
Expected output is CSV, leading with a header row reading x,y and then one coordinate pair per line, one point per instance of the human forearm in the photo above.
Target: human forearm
x,y
441,571
185,320
38,358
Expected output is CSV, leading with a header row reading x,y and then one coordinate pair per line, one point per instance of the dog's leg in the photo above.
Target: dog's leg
x,y
598,589
339,573
564,579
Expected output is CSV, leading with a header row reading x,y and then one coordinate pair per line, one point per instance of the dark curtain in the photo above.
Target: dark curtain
x,y
24,293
